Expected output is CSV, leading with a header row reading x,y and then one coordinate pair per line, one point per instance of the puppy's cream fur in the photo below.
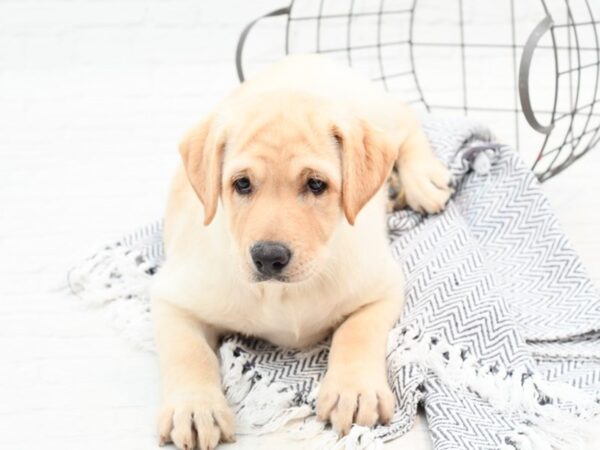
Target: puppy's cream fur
x,y
302,117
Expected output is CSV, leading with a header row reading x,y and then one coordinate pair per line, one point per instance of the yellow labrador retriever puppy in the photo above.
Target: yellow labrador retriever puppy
x,y
275,228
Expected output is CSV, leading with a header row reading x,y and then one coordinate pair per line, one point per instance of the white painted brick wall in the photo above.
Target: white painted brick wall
x,y
136,63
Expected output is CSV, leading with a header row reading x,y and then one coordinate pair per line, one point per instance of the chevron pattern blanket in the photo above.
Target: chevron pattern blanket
x,y
499,340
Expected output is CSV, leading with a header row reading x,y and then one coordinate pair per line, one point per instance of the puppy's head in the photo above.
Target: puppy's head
x,y
288,168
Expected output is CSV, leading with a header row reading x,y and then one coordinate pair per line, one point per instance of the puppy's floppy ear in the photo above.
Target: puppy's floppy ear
x,y
202,152
368,155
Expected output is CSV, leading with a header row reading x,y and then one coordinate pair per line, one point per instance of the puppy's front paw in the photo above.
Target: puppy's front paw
x,y
425,184
197,418
363,398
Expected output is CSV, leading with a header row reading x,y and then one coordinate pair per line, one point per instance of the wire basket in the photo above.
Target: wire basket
x,y
530,68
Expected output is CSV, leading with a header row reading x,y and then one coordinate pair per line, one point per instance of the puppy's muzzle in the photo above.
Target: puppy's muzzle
x,y
270,258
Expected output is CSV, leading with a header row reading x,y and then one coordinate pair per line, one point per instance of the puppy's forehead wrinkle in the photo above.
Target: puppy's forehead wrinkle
x,y
278,129
251,133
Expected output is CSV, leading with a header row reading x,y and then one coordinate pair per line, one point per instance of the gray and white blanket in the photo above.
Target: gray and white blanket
x,y
499,340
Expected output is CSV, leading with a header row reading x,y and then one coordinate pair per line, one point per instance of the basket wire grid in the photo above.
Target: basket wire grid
x,y
547,55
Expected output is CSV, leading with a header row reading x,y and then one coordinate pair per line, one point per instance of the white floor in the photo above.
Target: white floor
x,y
85,155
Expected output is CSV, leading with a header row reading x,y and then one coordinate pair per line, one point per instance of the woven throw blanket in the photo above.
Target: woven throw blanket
x,y
499,340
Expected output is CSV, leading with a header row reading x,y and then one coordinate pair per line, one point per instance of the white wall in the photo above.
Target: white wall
x,y
94,97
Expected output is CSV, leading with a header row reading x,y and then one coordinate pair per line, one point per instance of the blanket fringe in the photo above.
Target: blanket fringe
x,y
263,407
118,277
359,438
553,415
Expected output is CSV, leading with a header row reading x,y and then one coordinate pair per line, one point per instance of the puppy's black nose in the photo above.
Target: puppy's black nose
x,y
269,257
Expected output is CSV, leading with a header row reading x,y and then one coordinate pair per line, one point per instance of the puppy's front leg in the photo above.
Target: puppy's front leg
x,y
194,411
355,388
424,179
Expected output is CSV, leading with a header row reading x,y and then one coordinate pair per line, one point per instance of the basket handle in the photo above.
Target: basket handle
x,y
524,68
242,40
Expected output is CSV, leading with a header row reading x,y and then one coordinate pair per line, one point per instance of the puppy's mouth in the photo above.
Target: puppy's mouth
x,y
290,277
259,278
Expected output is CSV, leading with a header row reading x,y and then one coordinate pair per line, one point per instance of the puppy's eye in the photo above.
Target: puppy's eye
x,y
316,186
242,186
